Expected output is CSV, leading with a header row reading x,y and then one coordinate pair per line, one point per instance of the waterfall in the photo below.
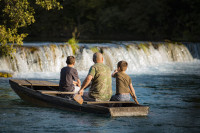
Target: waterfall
x,y
51,58
194,50
143,55
37,59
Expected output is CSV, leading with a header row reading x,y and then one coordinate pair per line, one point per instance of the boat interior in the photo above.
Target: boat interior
x,y
50,88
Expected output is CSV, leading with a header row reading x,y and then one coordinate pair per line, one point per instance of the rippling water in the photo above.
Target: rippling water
x,y
170,88
174,101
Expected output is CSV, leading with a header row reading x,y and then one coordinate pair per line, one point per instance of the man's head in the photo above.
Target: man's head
x,y
98,58
122,65
70,60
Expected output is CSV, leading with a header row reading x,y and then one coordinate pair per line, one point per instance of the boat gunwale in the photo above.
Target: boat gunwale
x,y
87,106
59,99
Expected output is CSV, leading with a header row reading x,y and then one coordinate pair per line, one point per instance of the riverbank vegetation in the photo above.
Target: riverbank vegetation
x,y
152,20
15,15
73,42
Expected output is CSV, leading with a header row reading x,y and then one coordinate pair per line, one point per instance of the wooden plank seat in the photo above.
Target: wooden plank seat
x,y
34,83
102,102
54,92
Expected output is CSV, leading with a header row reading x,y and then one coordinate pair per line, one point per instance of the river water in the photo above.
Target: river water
x,y
170,89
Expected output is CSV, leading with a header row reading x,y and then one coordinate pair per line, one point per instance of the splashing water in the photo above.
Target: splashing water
x,y
145,58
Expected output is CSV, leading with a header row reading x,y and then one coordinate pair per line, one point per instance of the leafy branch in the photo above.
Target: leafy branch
x,y
17,14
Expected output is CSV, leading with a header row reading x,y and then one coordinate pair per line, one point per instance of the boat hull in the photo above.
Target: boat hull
x,y
28,94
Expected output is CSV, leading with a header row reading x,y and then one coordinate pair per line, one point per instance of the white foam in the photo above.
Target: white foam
x,y
162,69
44,75
46,61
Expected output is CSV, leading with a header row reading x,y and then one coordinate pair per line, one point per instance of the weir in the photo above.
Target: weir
x,y
51,58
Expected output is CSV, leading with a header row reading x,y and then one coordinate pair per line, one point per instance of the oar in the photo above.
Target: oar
x,y
78,98
29,83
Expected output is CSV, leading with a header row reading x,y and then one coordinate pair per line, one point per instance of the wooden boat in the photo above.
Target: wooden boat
x,y
44,93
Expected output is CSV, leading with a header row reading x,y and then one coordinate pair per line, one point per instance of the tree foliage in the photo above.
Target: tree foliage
x,y
9,36
15,15
176,20
49,4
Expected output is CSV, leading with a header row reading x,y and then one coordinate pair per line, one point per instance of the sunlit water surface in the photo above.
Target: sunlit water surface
x,y
173,97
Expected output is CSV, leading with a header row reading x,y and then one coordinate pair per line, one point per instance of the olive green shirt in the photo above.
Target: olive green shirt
x,y
101,87
122,82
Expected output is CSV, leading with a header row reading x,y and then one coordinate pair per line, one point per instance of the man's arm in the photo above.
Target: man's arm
x,y
86,82
132,91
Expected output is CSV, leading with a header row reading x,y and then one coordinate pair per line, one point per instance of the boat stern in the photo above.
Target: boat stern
x,y
129,111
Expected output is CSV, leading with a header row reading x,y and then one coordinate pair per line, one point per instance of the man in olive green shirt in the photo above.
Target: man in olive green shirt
x,y
101,83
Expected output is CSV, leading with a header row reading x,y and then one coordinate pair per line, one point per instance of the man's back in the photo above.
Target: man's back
x,y
101,88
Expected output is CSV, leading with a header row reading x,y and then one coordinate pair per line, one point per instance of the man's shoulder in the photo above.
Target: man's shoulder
x,y
99,65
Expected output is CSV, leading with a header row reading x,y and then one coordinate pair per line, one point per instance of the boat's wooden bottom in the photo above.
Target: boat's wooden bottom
x,y
46,94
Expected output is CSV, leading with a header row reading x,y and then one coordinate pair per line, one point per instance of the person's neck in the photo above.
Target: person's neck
x,y
99,62
70,65
122,71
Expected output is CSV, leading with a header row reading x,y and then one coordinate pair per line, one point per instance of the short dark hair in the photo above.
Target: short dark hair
x,y
70,60
122,65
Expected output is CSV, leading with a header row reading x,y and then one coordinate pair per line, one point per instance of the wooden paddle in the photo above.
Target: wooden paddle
x,y
78,98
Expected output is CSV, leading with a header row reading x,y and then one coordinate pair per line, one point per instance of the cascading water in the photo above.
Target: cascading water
x,y
143,56
194,50
37,59
140,57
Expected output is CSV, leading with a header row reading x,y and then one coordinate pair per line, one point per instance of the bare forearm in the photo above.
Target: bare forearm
x,y
86,82
132,90
133,93
83,86
79,82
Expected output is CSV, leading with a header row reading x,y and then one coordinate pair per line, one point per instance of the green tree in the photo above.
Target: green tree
x,y
16,14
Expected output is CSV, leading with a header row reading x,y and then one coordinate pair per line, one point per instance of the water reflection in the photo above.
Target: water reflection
x,y
174,102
